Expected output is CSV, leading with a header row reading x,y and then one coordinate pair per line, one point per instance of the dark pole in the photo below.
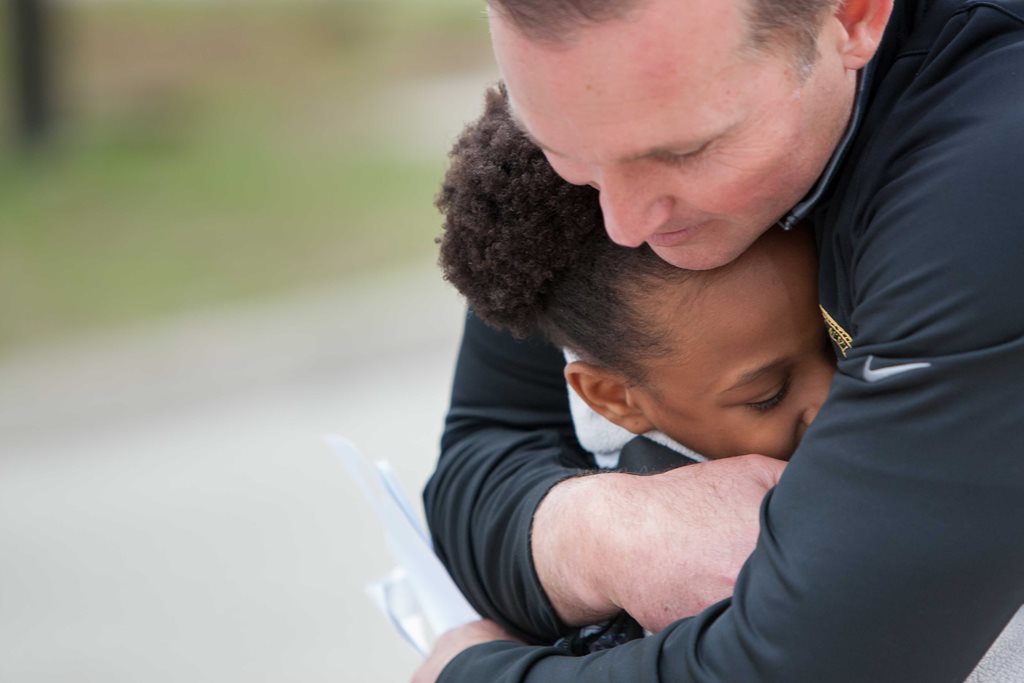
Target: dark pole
x,y
32,77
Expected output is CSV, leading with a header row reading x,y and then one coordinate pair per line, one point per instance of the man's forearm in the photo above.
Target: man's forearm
x,y
567,542
647,544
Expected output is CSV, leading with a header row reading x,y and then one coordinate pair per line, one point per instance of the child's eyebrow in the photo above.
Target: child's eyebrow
x,y
756,373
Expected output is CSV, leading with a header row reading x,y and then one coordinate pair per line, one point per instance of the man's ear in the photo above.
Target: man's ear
x,y
608,394
865,22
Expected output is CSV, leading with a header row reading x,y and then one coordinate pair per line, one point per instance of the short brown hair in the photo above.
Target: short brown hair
x,y
792,24
773,23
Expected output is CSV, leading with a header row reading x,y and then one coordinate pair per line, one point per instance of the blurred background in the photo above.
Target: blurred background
x,y
216,244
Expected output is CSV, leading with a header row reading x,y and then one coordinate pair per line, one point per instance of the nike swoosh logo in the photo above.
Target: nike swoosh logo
x,y
871,375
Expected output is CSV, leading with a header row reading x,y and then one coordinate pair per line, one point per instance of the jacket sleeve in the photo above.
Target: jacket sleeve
x,y
507,441
893,547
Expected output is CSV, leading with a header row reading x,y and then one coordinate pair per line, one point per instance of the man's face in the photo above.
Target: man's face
x,y
696,142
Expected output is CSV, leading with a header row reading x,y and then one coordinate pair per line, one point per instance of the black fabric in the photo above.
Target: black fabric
x,y
893,547
643,456
584,641
507,440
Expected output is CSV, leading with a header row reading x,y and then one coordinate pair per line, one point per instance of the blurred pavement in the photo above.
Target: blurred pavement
x,y
168,512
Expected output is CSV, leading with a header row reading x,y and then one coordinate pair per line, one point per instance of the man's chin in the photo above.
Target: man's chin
x,y
694,257
712,247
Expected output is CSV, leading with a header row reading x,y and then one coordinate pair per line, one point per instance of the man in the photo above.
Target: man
x,y
892,547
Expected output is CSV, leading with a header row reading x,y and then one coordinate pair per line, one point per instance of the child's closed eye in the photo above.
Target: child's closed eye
x,y
773,400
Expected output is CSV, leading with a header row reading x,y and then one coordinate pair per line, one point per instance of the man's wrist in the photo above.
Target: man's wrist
x,y
570,537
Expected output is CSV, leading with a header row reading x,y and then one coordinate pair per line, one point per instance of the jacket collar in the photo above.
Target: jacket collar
x,y
811,199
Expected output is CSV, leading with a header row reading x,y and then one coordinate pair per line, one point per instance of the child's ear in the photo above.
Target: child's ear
x,y
608,394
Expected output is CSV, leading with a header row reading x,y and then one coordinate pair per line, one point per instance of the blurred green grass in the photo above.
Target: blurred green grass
x,y
219,152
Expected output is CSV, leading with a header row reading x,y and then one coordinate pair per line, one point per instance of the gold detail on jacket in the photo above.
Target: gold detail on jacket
x,y
840,337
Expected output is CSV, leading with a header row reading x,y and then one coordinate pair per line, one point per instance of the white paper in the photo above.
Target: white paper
x,y
420,591
394,597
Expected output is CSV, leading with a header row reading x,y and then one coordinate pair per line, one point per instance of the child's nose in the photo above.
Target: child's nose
x,y
809,414
806,418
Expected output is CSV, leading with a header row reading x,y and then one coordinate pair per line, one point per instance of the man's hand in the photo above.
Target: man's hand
x,y
662,547
452,643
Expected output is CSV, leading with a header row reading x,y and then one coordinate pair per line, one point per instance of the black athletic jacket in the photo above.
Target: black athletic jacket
x,y
893,547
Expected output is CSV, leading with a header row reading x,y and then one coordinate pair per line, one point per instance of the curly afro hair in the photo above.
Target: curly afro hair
x,y
529,251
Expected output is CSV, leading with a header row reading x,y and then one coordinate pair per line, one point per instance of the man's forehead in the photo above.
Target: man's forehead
x,y
636,59
670,142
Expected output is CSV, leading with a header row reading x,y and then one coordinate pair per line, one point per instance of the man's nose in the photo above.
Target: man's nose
x,y
633,209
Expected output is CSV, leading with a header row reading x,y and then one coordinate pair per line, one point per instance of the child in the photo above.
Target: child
x,y
726,362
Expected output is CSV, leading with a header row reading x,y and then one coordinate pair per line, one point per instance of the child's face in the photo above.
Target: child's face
x,y
753,363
